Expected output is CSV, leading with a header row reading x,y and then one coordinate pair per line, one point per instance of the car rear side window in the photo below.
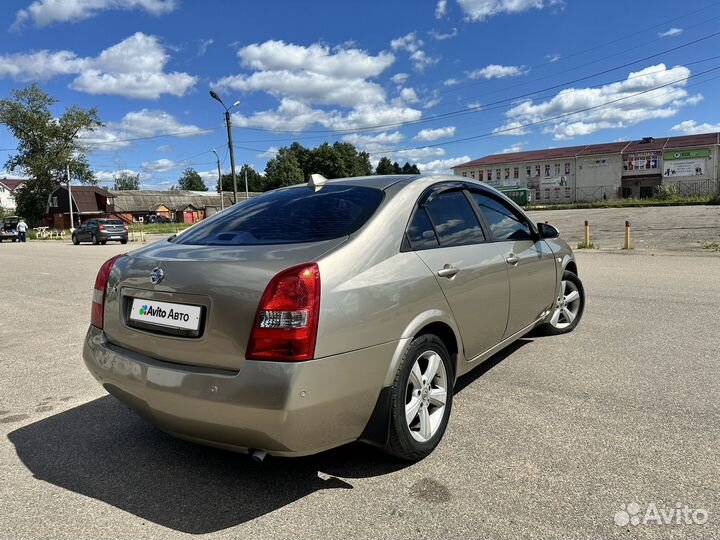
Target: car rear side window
x,y
454,220
503,221
289,216
420,233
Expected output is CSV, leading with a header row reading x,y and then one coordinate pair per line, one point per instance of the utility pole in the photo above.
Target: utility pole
x,y
220,186
247,193
230,144
72,221
232,154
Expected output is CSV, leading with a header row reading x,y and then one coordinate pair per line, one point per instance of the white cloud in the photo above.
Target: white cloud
x,y
40,65
46,12
269,153
132,68
421,60
408,95
414,154
440,9
108,177
672,32
412,44
442,166
515,147
374,143
552,58
137,124
435,134
203,46
451,82
691,127
474,105
496,71
305,79
342,63
443,36
481,10
314,74
632,109
160,165
408,42
399,78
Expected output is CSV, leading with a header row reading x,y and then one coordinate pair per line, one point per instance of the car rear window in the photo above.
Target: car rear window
x,y
289,216
113,222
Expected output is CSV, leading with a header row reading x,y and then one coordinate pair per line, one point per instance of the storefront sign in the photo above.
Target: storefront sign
x,y
685,167
640,161
667,156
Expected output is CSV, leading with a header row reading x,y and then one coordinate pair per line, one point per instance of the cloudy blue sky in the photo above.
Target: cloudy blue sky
x,y
431,82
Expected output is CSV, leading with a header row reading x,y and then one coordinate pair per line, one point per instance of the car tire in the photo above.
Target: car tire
x,y
103,242
94,239
75,240
123,241
417,418
568,308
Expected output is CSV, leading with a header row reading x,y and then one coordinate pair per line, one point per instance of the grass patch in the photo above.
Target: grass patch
x,y
158,228
583,245
712,246
667,200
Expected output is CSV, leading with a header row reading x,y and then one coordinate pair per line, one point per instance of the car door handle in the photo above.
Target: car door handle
x,y
447,271
512,259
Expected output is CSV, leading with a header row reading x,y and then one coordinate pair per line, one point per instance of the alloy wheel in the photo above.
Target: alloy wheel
x,y
567,305
426,396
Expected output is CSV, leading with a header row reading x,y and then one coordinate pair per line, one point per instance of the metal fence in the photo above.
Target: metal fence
x,y
683,188
687,188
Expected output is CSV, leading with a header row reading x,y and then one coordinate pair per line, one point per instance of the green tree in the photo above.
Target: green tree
x,y
410,169
384,166
46,145
191,181
283,170
126,181
256,181
396,168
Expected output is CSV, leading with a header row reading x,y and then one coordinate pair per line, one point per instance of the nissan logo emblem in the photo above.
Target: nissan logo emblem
x,y
156,275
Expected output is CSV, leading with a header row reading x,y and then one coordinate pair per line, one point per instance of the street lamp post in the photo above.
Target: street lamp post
x,y
220,186
229,134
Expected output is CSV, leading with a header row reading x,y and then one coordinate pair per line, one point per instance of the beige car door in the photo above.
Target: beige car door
x,y
530,261
446,234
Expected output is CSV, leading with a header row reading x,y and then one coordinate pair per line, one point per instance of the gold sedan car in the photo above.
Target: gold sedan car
x,y
320,314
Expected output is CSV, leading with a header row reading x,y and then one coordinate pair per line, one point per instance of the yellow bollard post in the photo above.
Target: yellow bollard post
x,y
142,231
587,234
628,241
132,233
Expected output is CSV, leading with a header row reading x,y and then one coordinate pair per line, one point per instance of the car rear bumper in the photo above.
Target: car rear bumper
x,y
285,408
111,236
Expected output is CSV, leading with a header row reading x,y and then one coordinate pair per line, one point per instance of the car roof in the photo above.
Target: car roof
x,y
385,181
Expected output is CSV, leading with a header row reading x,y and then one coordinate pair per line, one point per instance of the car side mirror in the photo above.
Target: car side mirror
x,y
547,231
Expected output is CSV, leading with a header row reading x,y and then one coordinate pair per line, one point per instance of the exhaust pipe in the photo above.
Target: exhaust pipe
x,y
258,456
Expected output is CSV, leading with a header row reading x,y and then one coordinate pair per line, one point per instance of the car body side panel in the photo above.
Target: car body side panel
x,y
478,294
533,281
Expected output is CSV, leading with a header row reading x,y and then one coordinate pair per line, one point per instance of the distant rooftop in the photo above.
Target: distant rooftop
x,y
644,145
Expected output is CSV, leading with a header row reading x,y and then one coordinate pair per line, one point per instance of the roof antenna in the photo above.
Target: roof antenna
x,y
317,181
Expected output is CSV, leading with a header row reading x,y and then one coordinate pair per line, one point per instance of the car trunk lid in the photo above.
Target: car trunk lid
x,y
226,283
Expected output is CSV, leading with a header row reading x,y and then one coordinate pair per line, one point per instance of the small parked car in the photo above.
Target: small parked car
x,y
157,218
100,231
8,230
316,315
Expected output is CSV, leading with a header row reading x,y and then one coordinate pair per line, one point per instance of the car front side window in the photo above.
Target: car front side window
x,y
503,221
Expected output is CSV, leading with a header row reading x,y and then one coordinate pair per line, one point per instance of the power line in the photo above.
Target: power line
x,y
549,119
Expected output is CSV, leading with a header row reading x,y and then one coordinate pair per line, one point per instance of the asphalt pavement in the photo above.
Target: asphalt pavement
x,y
551,438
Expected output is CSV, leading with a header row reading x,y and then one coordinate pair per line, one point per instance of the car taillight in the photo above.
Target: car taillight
x,y
98,300
287,317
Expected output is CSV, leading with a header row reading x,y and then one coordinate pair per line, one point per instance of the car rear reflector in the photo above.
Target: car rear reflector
x,y
287,318
99,292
